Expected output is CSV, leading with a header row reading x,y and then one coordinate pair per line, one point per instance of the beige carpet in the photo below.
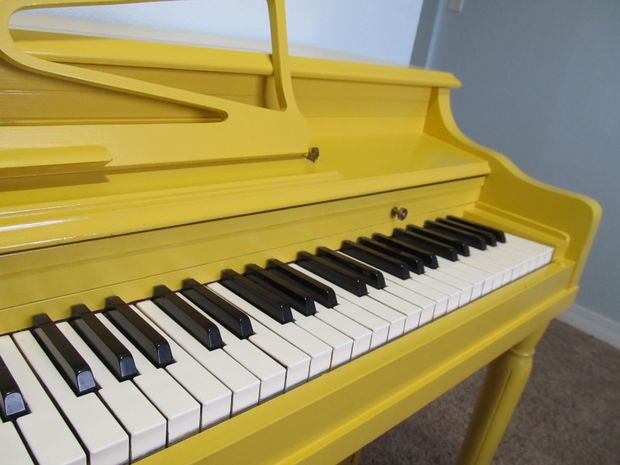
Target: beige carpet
x,y
569,413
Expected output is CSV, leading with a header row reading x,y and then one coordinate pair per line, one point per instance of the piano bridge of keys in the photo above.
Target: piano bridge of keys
x,y
226,257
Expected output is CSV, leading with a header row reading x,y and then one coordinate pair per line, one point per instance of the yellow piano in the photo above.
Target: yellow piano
x,y
223,257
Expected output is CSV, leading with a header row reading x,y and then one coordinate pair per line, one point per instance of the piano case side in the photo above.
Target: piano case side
x,y
511,197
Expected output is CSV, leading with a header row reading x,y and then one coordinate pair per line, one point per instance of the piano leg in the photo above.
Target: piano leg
x,y
352,459
505,380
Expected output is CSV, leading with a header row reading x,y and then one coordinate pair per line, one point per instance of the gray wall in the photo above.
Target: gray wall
x,y
541,83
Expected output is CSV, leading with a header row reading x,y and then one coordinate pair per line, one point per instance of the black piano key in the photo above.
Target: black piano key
x,y
439,248
384,262
414,263
428,258
473,240
297,297
488,237
258,296
372,276
500,236
12,403
191,320
322,293
461,247
107,347
63,355
310,309
147,339
346,279
220,309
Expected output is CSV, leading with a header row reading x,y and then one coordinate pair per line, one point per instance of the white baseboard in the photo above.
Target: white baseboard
x,y
593,324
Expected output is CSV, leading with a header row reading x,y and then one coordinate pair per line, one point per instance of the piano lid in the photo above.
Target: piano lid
x,y
102,137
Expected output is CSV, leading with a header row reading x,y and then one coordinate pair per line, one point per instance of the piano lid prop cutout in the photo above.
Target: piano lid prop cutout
x,y
272,133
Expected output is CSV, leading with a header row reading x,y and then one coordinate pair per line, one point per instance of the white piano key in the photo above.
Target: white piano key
x,y
525,263
14,451
503,271
375,306
461,265
395,319
181,410
144,424
271,374
341,345
418,309
245,387
257,362
520,261
215,399
50,440
426,305
539,253
536,256
359,334
395,302
493,275
379,327
464,286
296,362
454,295
470,285
546,252
105,440
319,352
481,282
440,300
529,243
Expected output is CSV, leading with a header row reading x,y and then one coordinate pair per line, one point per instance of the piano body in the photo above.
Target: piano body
x,y
128,165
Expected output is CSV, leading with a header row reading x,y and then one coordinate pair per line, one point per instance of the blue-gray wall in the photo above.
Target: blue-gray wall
x,y
541,83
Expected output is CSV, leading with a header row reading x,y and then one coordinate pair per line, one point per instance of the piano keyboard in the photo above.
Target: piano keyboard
x,y
111,387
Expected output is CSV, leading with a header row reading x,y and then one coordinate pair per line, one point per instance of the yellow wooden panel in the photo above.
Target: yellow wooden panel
x,y
268,132
328,89
26,98
131,265
25,162
63,102
89,50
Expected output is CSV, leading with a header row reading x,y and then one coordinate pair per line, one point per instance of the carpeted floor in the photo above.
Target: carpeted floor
x,y
569,413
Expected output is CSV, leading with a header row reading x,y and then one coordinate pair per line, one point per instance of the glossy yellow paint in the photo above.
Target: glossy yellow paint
x,y
280,132
134,164
510,196
130,265
505,380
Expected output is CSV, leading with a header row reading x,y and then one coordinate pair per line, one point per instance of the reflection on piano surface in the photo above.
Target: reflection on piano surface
x,y
226,257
